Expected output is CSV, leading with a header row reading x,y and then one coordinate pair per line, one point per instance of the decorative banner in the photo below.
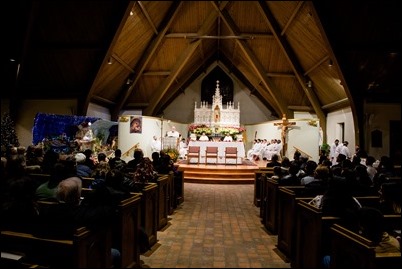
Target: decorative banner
x,y
136,125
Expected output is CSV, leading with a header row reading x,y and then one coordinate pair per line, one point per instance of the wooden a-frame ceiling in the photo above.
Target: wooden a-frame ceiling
x,y
293,55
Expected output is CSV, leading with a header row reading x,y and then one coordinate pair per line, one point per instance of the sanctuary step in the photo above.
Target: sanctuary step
x,y
218,174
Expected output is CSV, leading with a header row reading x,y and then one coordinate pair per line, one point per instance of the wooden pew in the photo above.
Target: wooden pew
x,y
350,250
171,193
313,232
178,187
312,228
39,178
86,249
270,205
269,218
125,229
163,203
260,176
149,211
87,182
288,196
126,232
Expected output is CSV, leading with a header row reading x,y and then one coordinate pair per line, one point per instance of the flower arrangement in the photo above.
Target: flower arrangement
x,y
231,130
198,129
173,153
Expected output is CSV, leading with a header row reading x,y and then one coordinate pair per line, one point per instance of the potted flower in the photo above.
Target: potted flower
x,y
173,153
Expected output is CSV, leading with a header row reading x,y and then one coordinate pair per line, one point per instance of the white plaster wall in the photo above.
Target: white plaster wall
x,y
378,118
150,126
341,116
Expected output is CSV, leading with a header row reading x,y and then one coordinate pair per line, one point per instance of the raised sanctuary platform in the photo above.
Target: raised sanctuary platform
x,y
220,173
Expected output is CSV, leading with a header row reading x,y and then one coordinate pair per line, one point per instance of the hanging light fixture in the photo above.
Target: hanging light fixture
x,y
110,60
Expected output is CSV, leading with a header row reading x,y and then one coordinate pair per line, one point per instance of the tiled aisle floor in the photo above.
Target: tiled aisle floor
x,y
217,226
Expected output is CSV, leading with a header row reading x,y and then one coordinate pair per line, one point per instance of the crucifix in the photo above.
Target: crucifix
x,y
285,124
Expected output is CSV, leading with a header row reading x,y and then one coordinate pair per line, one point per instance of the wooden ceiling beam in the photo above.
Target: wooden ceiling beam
x,y
292,60
146,14
254,62
147,56
180,63
289,22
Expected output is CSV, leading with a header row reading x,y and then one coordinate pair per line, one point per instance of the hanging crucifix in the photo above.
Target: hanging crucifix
x,y
285,124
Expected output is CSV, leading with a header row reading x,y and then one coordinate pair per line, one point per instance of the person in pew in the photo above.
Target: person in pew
x,y
390,198
320,181
338,201
274,161
166,164
309,172
61,170
49,160
19,210
117,161
143,174
132,164
278,173
61,219
111,191
82,169
370,223
99,174
291,179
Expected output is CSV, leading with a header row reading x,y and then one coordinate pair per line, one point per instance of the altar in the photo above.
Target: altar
x,y
221,151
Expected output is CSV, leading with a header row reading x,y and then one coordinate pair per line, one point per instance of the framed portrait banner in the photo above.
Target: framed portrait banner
x,y
136,124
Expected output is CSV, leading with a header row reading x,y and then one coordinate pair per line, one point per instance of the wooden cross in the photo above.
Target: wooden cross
x,y
285,124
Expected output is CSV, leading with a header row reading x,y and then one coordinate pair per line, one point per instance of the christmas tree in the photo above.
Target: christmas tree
x,y
8,134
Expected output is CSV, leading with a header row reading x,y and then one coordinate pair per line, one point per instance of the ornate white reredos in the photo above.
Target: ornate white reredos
x,y
216,115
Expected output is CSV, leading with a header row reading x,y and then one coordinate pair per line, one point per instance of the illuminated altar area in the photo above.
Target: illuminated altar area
x,y
216,115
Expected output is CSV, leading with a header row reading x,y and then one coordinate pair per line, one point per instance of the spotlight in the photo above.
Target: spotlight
x,y
330,63
309,84
110,60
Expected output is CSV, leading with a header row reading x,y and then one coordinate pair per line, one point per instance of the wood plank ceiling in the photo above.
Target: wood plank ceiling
x,y
290,54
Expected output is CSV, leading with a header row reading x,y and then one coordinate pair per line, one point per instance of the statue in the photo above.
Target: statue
x,y
284,128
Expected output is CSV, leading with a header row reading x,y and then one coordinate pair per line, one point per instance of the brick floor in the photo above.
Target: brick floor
x,y
217,226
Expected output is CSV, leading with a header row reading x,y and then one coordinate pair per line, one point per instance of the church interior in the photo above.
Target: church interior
x,y
124,80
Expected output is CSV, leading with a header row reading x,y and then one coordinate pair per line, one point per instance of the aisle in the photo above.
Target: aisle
x,y
217,226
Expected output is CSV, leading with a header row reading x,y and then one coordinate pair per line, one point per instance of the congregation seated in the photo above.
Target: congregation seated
x,y
370,225
19,211
117,162
60,220
61,170
274,161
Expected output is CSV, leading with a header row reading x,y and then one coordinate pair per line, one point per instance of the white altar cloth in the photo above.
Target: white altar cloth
x,y
221,151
